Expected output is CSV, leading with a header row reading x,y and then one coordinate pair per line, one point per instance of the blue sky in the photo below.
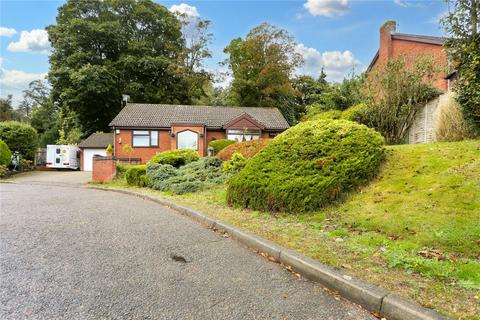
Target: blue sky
x,y
335,34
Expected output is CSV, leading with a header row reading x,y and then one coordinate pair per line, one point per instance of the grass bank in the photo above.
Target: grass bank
x,y
415,230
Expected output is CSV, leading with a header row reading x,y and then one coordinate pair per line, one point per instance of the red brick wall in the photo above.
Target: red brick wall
x,y
166,142
104,169
416,49
144,153
394,48
81,159
215,135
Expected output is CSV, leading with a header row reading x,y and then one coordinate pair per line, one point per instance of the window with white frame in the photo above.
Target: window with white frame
x,y
145,138
243,135
187,140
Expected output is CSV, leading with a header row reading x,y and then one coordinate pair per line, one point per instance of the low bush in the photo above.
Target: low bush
x,y
308,166
326,115
5,154
219,145
19,137
176,158
451,125
189,178
232,167
136,176
120,170
355,113
247,149
3,171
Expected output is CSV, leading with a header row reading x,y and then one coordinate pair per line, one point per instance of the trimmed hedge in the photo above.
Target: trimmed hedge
x,y
219,145
308,166
355,113
136,176
189,178
327,115
232,167
247,149
19,137
176,158
5,154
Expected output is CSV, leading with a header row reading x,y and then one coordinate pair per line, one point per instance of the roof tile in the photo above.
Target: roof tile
x,y
163,115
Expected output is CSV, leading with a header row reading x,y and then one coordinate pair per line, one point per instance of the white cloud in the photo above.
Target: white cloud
x,y
335,64
15,81
35,41
400,3
186,9
7,32
327,8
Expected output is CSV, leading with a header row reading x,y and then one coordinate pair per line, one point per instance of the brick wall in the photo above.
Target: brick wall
x,y
144,153
199,129
167,142
394,48
104,169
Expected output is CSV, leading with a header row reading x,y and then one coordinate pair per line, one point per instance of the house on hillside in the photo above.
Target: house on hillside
x,y
152,128
394,45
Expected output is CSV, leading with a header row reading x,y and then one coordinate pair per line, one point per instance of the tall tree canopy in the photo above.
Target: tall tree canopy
x,y
103,49
262,66
462,24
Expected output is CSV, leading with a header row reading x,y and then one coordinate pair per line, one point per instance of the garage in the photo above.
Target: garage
x,y
95,144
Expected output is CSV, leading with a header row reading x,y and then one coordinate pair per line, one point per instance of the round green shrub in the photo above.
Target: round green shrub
x,y
308,166
5,154
232,167
19,137
327,115
3,171
219,145
247,149
176,158
136,176
355,113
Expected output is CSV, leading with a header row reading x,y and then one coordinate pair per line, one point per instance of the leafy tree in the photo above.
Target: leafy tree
x,y
103,49
197,38
69,131
463,47
6,108
395,94
262,66
336,96
41,112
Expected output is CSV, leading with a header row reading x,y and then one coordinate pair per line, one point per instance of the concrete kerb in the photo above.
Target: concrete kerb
x,y
370,297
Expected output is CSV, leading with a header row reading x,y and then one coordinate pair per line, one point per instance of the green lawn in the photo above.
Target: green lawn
x,y
415,230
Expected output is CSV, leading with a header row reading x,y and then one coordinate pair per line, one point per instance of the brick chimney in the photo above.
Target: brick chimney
x,y
386,31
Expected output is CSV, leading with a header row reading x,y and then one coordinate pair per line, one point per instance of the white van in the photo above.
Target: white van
x,y
63,157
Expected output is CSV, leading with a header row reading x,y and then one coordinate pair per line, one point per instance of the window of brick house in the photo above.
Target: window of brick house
x,y
243,135
145,138
187,140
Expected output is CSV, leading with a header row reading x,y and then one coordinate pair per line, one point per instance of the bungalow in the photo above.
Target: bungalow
x,y
153,128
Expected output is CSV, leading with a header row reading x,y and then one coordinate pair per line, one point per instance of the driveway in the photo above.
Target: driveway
x,y
64,177
68,252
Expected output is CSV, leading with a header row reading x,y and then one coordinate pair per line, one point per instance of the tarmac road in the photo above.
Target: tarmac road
x,y
67,252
